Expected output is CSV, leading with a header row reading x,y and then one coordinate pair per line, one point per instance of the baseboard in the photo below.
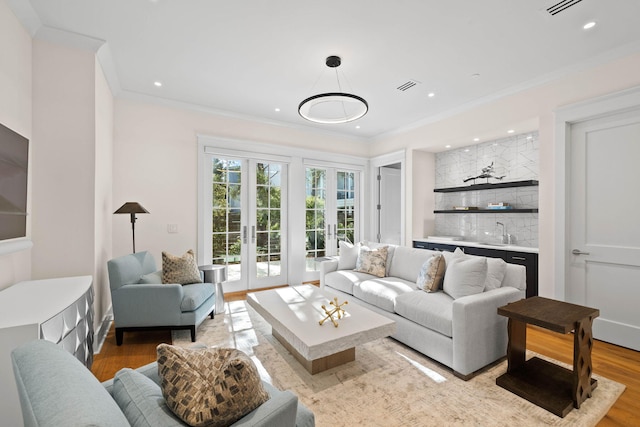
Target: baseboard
x,y
101,335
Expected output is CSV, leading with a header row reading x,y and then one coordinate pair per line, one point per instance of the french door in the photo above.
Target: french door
x,y
331,211
248,200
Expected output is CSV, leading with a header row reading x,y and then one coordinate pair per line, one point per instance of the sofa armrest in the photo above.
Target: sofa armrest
x,y
479,333
147,304
327,267
279,410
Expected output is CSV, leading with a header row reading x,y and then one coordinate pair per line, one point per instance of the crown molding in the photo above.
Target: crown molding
x,y
26,14
68,38
614,54
172,103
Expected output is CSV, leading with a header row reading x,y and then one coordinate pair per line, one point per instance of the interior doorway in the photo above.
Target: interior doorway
x,y
389,204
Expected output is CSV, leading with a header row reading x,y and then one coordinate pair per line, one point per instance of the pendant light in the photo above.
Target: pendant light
x,y
333,107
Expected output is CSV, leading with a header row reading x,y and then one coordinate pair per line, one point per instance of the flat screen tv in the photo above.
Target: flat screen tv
x,y
14,160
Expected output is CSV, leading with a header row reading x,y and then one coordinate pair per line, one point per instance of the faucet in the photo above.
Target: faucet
x,y
505,237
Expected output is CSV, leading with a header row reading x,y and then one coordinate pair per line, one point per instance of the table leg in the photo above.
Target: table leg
x,y
582,345
517,346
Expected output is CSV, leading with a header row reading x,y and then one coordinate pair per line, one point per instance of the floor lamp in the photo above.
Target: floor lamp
x,y
132,208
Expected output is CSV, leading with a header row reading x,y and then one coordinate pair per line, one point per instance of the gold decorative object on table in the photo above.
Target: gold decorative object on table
x,y
335,311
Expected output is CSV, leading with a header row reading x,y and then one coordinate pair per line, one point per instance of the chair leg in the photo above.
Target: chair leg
x,y
212,313
193,333
119,336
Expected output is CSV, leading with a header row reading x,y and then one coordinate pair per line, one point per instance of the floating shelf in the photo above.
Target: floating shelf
x,y
484,211
488,186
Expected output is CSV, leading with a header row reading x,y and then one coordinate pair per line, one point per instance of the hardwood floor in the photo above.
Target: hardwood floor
x,y
610,361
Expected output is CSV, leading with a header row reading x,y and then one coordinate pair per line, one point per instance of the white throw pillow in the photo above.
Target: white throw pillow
x,y
465,276
348,255
496,269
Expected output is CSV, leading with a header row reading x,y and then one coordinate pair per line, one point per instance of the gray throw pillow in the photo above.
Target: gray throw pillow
x,y
141,400
151,278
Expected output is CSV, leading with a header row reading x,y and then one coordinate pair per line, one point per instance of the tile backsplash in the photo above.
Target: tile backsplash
x,y
517,159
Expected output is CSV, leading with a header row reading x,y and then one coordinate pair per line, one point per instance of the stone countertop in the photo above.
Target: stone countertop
x,y
497,246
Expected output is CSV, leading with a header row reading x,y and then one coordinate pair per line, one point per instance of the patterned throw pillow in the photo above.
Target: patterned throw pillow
x,y
209,387
431,274
180,269
372,261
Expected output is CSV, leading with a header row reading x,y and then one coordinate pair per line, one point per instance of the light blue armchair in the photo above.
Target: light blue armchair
x,y
55,389
141,302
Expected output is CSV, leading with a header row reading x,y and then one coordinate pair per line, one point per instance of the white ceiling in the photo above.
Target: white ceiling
x,y
247,58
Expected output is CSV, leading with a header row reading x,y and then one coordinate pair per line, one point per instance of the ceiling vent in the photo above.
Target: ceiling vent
x,y
563,5
408,85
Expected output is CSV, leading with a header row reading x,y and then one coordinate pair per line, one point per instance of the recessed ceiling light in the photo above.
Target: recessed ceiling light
x,y
277,110
475,75
431,95
510,131
589,25
358,127
447,146
476,139
157,84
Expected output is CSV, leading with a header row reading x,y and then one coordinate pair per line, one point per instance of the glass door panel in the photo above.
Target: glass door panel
x,y
345,206
267,233
226,215
315,216
331,212
248,221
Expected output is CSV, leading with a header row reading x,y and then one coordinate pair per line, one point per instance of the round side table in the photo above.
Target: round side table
x,y
216,274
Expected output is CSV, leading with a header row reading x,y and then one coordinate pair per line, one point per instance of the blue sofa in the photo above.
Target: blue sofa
x,y
55,389
140,301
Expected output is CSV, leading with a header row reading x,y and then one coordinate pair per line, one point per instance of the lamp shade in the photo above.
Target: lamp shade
x,y
131,208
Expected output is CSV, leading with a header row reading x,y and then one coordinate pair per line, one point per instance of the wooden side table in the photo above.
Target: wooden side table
x,y
550,386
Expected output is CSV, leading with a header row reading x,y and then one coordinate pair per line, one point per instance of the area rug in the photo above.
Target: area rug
x,y
389,384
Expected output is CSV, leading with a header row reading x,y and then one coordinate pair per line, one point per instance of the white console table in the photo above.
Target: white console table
x,y
58,310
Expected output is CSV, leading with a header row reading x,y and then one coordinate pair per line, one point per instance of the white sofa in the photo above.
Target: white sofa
x,y
465,334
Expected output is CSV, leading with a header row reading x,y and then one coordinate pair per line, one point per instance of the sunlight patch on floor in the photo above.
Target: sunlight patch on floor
x,y
436,377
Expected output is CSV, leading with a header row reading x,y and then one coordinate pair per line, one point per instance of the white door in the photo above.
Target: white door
x,y
604,202
331,212
389,205
248,219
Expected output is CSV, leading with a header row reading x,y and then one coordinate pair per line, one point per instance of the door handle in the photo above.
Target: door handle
x,y
328,231
244,234
253,234
335,230
579,252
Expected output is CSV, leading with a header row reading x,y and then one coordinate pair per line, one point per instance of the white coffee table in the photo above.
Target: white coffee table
x,y
294,313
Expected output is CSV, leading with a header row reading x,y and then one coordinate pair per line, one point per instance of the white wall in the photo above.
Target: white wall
x,y
533,105
103,202
72,167
63,161
155,164
423,177
15,113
